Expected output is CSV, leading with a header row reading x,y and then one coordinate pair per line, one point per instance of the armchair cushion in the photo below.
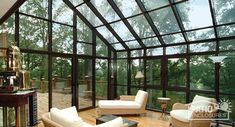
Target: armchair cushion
x,y
117,104
140,97
182,115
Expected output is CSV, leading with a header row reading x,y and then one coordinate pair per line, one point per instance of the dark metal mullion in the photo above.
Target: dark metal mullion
x,y
179,21
150,21
102,19
119,13
70,5
93,70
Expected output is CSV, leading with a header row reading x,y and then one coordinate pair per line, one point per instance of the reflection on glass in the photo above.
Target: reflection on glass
x,y
133,44
62,38
177,72
84,49
165,21
151,42
33,33
136,65
118,46
37,8
84,33
141,26
155,52
85,83
201,34
101,79
108,13
122,72
153,4
203,47
153,94
61,83
195,14
107,34
176,49
153,72
173,38
89,15
225,31
101,48
224,10
61,12
122,30
128,7
201,73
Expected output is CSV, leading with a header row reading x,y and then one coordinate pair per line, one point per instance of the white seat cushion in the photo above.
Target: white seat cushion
x,y
118,122
141,96
181,115
117,104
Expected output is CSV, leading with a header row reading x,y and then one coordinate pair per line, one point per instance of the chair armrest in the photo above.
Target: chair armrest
x,y
127,98
180,106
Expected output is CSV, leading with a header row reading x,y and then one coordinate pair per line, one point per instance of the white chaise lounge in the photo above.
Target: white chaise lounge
x,y
126,105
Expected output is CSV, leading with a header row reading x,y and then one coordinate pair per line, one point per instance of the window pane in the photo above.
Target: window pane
x,y
177,72
85,83
202,76
101,78
151,42
165,21
225,31
155,52
227,75
101,48
133,44
176,49
118,46
136,65
33,33
108,13
141,26
231,100
122,30
153,72
122,72
153,94
128,7
61,12
153,4
173,38
224,11
137,53
176,97
37,8
203,47
201,34
107,34
227,45
62,38
89,15
76,2
195,14
84,33
84,49
7,29
121,54
61,89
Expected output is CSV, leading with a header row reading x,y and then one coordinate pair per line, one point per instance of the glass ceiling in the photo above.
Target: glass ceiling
x,y
136,24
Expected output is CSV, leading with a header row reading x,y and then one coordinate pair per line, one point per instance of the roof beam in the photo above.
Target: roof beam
x,y
102,19
70,5
119,13
150,21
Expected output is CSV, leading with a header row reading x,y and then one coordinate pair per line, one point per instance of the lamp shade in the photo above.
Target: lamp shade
x,y
217,59
139,74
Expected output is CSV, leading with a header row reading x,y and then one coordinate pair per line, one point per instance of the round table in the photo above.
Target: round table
x,y
163,101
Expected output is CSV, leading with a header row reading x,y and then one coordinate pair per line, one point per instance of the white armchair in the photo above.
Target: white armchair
x,y
196,114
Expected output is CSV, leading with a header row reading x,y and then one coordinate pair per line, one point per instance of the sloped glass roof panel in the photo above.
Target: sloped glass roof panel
x,y
118,46
151,42
89,15
128,7
225,31
122,30
155,51
180,49
173,38
107,34
153,4
141,26
227,45
84,33
165,20
203,47
195,14
201,34
224,11
76,2
106,10
36,8
133,44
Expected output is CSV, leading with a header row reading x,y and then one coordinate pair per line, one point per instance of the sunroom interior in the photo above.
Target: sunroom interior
x,y
78,52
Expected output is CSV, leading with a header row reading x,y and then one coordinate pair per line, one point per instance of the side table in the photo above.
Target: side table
x,y
163,101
